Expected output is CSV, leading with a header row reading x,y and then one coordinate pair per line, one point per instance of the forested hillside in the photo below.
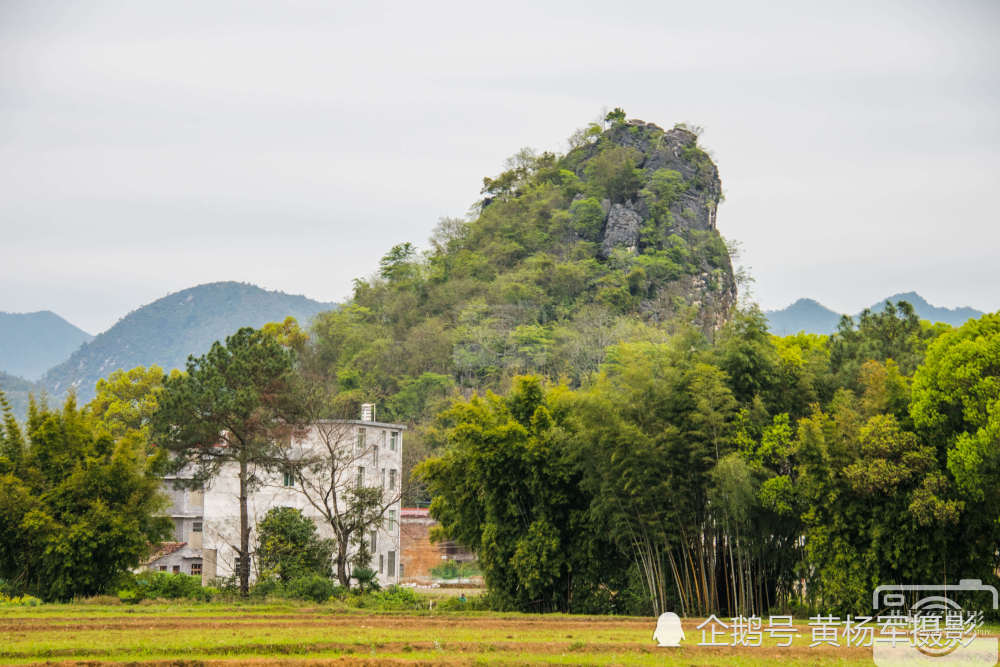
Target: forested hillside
x,y
32,343
166,331
567,254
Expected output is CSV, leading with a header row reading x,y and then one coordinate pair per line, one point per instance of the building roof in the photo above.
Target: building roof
x,y
361,422
164,549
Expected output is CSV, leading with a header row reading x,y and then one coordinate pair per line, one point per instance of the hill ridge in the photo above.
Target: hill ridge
x,y
809,315
166,331
31,343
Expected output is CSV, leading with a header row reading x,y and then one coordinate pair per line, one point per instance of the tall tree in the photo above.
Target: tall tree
x,y
956,408
505,486
230,408
77,507
324,457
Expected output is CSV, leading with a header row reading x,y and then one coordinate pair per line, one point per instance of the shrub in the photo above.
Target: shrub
x,y
19,601
130,596
455,570
268,587
164,585
396,597
312,587
367,579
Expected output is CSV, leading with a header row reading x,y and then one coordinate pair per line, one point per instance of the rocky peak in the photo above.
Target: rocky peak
x,y
660,196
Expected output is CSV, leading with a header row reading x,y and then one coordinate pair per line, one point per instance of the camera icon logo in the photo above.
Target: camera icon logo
x,y
923,624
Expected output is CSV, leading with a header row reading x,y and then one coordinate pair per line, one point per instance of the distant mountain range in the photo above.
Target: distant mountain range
x,y
164,332
813,317
32,343
17,390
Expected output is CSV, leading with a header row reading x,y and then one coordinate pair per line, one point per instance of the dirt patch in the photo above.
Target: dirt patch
x,y
330,620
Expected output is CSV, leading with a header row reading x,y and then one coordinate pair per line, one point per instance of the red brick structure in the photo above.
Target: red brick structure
x,y
418,555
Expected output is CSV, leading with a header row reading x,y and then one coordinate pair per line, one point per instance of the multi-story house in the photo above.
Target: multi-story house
x,y
341,454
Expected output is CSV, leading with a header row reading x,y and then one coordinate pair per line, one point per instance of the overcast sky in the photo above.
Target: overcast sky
x,y
148,147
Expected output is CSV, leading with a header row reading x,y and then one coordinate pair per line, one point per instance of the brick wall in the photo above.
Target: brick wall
x,y
418,554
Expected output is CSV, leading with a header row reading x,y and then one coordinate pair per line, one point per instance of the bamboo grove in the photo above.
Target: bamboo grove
x,y
740,476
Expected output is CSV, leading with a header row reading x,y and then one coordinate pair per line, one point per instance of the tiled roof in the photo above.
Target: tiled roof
x,y
164,549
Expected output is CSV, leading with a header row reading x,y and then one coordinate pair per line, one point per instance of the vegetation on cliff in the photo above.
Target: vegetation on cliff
x,y
565,255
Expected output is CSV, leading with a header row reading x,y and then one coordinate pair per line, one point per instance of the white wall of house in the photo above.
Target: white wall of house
x,y
381,459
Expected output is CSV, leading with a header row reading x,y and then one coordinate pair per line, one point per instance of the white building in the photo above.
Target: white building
x,y
342,453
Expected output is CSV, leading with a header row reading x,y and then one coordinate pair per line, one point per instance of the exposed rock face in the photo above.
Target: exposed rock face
x,y
707,287
621,230
709,298
677,150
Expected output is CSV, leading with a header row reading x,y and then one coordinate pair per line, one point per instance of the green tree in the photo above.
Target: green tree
x,y
616,115
289,546
126,401
613,174
895,333
956,407
397,263
77,507
225,413
744,350
505,487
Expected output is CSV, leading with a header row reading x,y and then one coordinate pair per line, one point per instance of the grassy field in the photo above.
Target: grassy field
x,y
273,634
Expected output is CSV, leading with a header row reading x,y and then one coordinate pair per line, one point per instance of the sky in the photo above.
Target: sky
x,y
149,147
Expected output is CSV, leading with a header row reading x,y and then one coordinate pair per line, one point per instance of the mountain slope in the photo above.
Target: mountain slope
x,y
567,255
813,317
17,389
803,315
166,331
31,343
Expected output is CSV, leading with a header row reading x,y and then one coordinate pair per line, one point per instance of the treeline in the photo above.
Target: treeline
x,y
741,476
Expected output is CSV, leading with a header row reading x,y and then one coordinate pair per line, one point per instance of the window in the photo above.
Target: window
x,y
196,527
374,538
381,564
177,569
381,439
391,519
361,476
163,568
236,565
394,440
375,456
392,564
383,478
288,478
392,479
196,568
361,440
